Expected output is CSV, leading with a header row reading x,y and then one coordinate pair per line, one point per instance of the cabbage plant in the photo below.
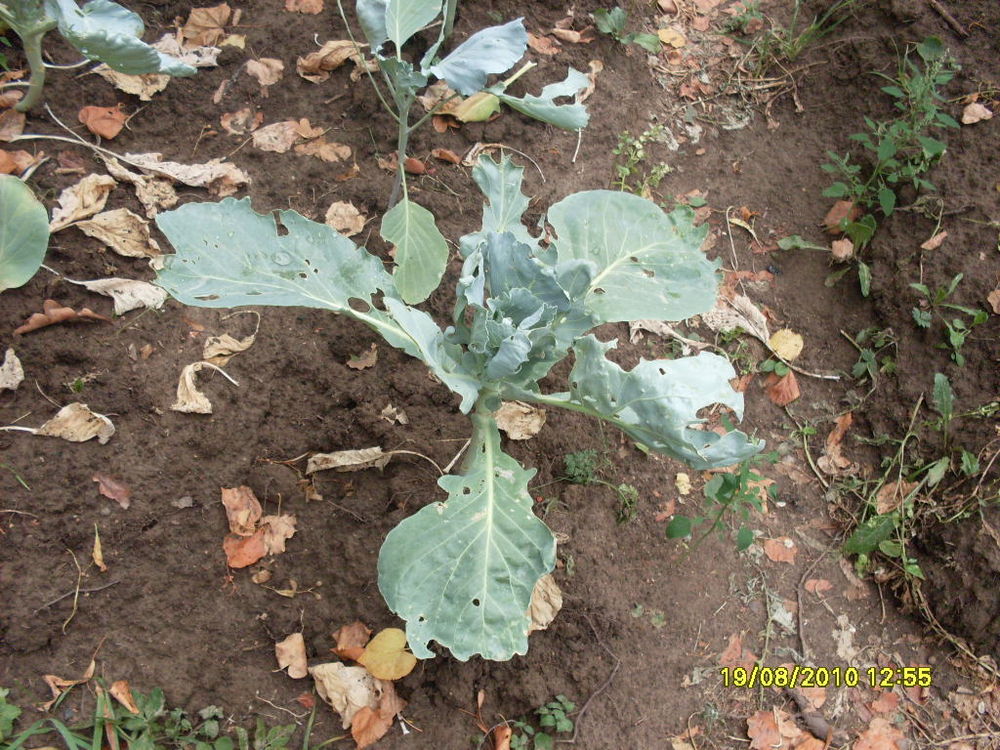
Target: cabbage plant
x,y
24,233
101,30
461,571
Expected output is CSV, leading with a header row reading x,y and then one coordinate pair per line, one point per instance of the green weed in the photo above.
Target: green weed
x,y
553,719
583,468
629,176
935,304
612,22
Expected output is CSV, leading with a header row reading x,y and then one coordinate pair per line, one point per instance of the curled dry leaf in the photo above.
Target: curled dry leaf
x,y
242,121
97,552
762,729
366,359
243,551
325,150
243,510
782,549
892,495
128,294
121,691
277,530
220,349
11,124
735,312
114,489
316,66
77,423
106,122
786,343
994,299
934,242
85,198
880,735
153,191
279,137
267,71
842,249
519,420
386,657
975,112
221,178
735,655
370,725
11,372
352,460
59,685
123,231
351,640
584,36
346,689
543,45
391,414
291,655
782,390
546,601
671,37
204,26
15,162
144,86
10,98
189,399
52,313
444,154
206,56
833,461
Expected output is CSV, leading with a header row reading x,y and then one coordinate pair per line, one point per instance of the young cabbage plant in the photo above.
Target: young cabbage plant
x,y
24,233
101,30
465,69
461,572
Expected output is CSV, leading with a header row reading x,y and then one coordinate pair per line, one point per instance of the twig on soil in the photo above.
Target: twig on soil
x,y
45,396
280,708
805,449
952,21
76,591
600,688
18,512
798,600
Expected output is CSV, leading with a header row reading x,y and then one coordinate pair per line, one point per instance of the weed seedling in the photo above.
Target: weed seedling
x,y
612,22
582,468
873,360
632,152
935,304
553,719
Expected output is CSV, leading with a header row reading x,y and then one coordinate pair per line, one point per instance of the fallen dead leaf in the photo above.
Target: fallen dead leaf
x,y
887,703
316,66
350,460
123,231
86,198
59,685
278,137
267,71
121,691
11,372
243,510
543,45
833,460
682,482
839,211
386,656
346,689
584,36
291,655
77,423
311,7
219,177
242,121
934,242
735,655
114,489
10,98
144,86
671,37
219,350
447,155
975,112
11,124
205,56
502,736
391,414
818,586
97,552
351,640
880,735
204,26
128,294
106,122
782,390
782,549
190,400
277,530
762,729
786,343
325,150
370,725
243,551
842,249
546,601
153,191
52,313
16,162
366,359
891,496
519,420
856,587
994,299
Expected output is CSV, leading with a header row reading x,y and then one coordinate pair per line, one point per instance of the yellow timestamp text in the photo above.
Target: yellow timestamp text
x,y
805,677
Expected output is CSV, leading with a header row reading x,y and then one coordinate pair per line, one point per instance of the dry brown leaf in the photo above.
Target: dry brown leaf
x,y
366,359
842,249
351,640
880,735
97,553
891,496
220,349
220,178
786,343
519,420
322,149
762,729
11,124
546,601
77,423
543,45
350,174
128,294
856,587
86,198
413,165
121,691
277,530
267,71
52,313
833,461
934,242
114,489
291,654
278,137
123,231
204,26
311,7
447,155
887,703
735,655
671,37
242,121
59,685
369,726
242,551
350,460
10,98
975,112
15,162
667,6
815,695
346,689
154,192
584,36
190,400
391,414
994,299
782,390
818,586
106,122
144,86
839,211
11,372
243,510
782,549
316,66
386,657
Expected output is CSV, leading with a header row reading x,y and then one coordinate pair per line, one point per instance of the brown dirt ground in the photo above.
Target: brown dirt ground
x,y
178,618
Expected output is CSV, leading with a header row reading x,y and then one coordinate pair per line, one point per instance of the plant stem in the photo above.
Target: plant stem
x,y
33,52
450,7
404,100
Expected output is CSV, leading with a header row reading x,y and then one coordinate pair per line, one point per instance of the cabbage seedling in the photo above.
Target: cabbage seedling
x,y
101,30
461,571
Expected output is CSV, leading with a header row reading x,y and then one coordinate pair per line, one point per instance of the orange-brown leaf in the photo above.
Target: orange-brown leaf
x,y
501,737
369,725
52,313
447,155
838,212
242,551
737,656
543,45
312,7
122,692
763,732
113,488
818,586
784,390
351,640
782,549
243,510
106,122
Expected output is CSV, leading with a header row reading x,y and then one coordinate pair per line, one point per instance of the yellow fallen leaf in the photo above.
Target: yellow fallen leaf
x,y
386,657
671,37
98,553
786,343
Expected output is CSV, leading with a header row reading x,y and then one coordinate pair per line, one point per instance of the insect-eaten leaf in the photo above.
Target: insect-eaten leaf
x,y
106,122
85,198
24,233
11,372
386,656
291,655
519,420
114,489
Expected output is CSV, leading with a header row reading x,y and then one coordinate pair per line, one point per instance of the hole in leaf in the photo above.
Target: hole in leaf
x,y
647,273
421,619
598,290
475,602
208,297
359,305
303,275
282,229
633,259
466,490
